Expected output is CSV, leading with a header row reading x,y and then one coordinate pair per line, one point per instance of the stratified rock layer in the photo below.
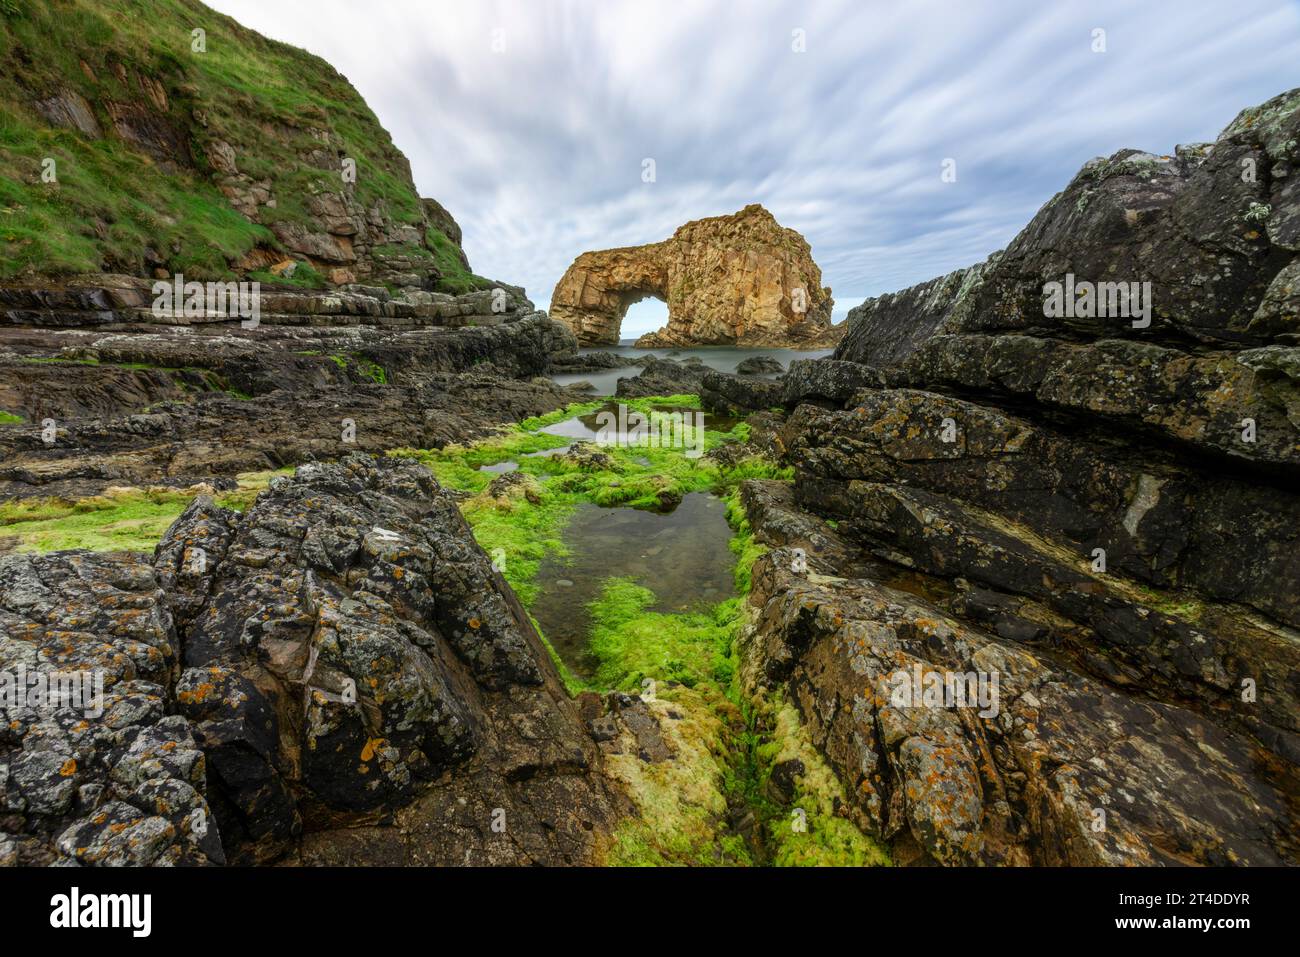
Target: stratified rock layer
x,y
141,403
741,280
1097,511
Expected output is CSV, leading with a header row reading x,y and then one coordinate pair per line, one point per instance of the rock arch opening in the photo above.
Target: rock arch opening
x,y
644,313
740,280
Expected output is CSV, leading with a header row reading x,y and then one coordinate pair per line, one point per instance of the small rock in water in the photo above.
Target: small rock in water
x,y
564,583
759,365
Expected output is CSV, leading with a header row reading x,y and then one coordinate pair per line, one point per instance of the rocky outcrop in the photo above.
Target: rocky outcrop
x,y
594,362
118,301
759,365
741,280
1095,511
737,394
338,675
1055,767
1212,228
1059,770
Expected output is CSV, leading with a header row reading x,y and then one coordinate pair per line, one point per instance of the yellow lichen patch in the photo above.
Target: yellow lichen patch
x,y
197,695
372,745
69,768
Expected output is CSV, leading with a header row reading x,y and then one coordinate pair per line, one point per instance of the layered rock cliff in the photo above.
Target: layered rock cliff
x,y
740,280
1098,509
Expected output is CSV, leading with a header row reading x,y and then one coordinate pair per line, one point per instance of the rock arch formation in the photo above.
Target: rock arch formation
x,y
741,280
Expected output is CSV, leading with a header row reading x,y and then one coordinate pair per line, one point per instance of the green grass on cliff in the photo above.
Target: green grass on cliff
x,y
112,199
454,277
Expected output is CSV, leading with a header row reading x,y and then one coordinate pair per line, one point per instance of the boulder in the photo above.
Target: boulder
x,y
105,773
357,656
738,395
663,377
759,365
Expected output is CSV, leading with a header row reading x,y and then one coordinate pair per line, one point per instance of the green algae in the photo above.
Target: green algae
x,y
810,828
683,804
682,663
521,531
126,519
634,644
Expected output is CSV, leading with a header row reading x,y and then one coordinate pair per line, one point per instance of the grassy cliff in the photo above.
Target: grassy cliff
x,y
129,143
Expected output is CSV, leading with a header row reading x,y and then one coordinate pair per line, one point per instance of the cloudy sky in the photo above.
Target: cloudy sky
x,y
531,119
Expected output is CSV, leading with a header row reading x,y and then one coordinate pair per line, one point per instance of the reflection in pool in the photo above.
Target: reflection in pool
x,y
682,556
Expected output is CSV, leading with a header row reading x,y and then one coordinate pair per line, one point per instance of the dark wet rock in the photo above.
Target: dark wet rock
x,y
759,365
217,436
778,521
346,657
1026,782
1212,228
725,394
96,780
663,377
1202,400
1279,311
82,373
594,362
63,390
1184,223
626,724
830,382
631,712
885,330
1275,127
1160,520
781,783
339,671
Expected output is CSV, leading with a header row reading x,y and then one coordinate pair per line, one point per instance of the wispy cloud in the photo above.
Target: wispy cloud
x,y
537,149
